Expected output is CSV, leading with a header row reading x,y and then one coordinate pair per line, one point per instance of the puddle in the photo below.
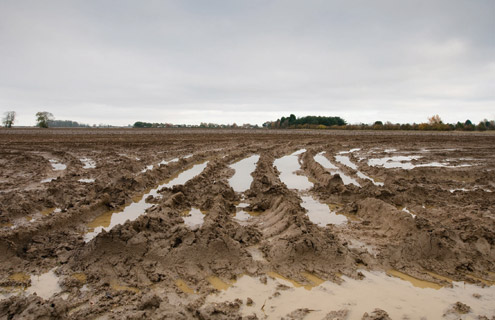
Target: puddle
x,y
57,166
350,151
194,219
88,163
439,277
165,162
484,281
414,281
325,163
345,160
399,298
218,283
44,285
242,215
241,180
316,281
186,175
320,213
287,166
404,162
468,190
86,180
182,285
148,168
131,212
294,283
49,211
81,277
47,180
20,277
118,287
409,212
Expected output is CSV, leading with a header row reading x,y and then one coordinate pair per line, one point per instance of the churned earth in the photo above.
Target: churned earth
x,y
246,224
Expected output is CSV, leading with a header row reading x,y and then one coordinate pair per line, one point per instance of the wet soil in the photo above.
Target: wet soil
x,y
426,211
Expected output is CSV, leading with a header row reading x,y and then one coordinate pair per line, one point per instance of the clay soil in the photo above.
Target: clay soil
x,y
144,268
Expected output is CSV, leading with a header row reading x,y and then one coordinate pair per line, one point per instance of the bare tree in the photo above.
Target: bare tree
x,y
42,118
9,119
434,119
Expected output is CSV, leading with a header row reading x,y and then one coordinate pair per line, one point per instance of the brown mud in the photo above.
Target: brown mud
x,y
432,223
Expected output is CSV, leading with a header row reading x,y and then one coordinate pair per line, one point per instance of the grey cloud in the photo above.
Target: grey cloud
x,y
233,61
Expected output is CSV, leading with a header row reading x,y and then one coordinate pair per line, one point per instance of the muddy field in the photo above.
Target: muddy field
x,y
220,224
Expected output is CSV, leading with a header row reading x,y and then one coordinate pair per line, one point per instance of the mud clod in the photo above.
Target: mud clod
x,y
377,314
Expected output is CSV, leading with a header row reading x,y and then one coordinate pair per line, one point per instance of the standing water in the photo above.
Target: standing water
x,y
399,298
241,180
333,169
320,213
113,218
287,166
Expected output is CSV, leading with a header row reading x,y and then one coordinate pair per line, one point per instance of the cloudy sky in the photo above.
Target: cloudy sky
x,y
228,61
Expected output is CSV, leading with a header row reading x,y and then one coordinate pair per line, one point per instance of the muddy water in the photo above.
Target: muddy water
x,y
408,212
325,163
88,163
218,283
165,162
404,162
113,218
333,169
44,285
400,298
148,168
345,160
86,180
241,180
186,175
320,214
288,166
182,285
242,215
57,166
194,219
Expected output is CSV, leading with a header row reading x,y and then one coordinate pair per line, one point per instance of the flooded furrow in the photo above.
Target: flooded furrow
x,y
288,166
133,211
333,169
241,180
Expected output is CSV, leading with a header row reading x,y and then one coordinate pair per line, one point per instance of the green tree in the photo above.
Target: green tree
x,y
43,118
9,119
292,119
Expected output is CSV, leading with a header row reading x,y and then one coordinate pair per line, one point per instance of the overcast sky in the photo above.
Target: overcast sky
x,y
118,62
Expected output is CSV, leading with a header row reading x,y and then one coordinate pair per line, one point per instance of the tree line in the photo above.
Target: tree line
x,y
307,122
141,124
46,119
434,123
